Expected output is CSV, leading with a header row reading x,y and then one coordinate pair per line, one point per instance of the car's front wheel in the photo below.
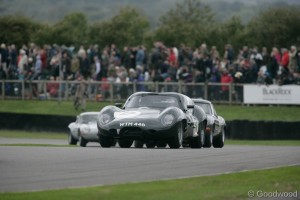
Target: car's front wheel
x,y
105,141
82,141
197,142
71,139
218,140
208,139
125,143
176,141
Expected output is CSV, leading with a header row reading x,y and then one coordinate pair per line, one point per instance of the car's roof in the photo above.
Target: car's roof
x,y
89,113
183,98
201,101
158,93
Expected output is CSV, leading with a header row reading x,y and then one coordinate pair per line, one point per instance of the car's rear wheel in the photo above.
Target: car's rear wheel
x,y
125,143
150,144
176,141
138,144
218,140
105,141
208,139
71,139
82,141
197,142
161,144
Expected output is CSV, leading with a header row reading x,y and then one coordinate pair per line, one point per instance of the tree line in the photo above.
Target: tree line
x,y
190,23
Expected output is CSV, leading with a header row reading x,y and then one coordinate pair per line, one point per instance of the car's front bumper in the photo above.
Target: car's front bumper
x,y
149,130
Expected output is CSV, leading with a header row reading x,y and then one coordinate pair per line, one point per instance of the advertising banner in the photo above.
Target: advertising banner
x,y
272,94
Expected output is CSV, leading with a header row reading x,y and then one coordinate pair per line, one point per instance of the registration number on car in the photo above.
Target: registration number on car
x,y
132,124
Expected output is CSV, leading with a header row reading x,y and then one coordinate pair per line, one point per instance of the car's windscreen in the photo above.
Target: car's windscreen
x,y
206,107
88,118
156,101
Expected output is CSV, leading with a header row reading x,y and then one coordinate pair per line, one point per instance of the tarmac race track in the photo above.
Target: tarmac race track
x,y
43,168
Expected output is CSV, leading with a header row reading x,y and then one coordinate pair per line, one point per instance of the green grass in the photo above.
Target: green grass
x,y
46,107
228,186
36,145
33,135
272,113
256,113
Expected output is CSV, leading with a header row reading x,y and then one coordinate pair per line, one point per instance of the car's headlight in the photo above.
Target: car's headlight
x,y
167,119
210,121
104,119
84,129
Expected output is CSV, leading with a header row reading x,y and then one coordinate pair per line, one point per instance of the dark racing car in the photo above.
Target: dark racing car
x,y
156,119
216,125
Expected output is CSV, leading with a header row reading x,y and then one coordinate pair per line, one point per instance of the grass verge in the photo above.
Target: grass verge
x,y
228,186
36,145
65,108
32,135
259,112
234,112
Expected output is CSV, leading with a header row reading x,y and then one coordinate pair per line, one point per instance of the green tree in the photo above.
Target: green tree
x,y
72,30
231,31
43,35
126,28
275,27
16,30
189,22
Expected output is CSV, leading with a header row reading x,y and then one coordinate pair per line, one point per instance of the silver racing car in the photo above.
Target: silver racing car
x,y
216,125
84,129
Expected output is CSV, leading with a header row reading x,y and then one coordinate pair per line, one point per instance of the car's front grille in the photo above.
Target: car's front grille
x,y
131,132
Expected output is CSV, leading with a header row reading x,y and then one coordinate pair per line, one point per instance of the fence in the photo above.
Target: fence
x,y
112,91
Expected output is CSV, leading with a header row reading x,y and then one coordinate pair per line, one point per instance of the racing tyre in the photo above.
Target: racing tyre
x,y
82,141
161,144
208,139
105,142
150,144
198,142
125,143
176,141
71,139
218,140
138,144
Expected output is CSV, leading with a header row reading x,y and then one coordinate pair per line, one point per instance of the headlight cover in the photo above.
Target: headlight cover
x,y
167,119
85,129
210,121
105,119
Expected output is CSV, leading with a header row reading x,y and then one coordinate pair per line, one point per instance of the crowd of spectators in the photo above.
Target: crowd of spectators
x,y
161,63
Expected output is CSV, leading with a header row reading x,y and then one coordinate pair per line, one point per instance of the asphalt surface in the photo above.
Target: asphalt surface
x,y
43,168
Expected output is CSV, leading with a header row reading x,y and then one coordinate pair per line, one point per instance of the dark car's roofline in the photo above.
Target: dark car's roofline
x,y
160,93
181,97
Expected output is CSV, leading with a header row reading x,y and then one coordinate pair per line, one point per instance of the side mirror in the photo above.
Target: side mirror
x,y
119,105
